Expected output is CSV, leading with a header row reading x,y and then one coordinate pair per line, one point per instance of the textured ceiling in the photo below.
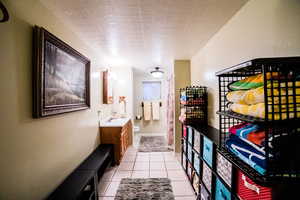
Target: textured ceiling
x,y
144,33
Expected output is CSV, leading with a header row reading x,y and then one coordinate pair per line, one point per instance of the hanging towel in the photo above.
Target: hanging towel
x,y
147,110
155,110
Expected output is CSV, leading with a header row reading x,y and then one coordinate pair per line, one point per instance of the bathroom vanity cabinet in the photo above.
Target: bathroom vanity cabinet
x,y
119,133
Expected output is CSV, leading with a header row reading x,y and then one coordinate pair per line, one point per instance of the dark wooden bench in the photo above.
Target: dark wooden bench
x,y
82,183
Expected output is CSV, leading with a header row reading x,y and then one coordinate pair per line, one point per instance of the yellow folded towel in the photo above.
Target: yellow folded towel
x,y
256,95
258,110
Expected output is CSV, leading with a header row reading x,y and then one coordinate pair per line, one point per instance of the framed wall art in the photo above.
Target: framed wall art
x,y
61,76
4,16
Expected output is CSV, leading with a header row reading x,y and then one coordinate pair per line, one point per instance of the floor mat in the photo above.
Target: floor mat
x,y
145,188
153,144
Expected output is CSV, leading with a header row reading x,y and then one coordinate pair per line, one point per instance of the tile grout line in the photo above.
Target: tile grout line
x,y
167,171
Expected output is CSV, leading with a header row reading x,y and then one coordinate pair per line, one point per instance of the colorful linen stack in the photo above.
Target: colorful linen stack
x,y
246,141
248,98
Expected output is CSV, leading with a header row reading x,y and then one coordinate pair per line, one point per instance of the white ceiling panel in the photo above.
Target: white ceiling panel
x,y
144,33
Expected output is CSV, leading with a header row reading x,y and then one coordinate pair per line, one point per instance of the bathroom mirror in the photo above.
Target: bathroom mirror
x,y
107,88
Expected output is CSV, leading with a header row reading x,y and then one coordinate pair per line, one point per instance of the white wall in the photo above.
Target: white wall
x,y
152,126
123,86
265,28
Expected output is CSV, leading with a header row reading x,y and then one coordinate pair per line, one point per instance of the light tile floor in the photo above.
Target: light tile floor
x,y
146,165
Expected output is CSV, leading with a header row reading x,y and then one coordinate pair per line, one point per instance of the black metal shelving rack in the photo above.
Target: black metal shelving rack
x,y
279,74
193,101
198,127
213,135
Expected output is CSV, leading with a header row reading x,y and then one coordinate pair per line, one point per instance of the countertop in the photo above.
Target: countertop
x,y
118,122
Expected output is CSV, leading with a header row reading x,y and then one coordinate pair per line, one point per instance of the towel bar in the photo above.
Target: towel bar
x,y
160,104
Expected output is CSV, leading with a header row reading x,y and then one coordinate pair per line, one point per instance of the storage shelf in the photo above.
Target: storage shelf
x,y
193,105
209,132
281,136
249,171
251,119
241,117
256,64
263,180
193,122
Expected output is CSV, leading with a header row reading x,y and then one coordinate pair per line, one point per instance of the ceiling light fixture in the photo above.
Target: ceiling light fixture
x,y
157,73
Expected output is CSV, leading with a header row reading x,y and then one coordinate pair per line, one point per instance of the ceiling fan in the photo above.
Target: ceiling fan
x,y
5,15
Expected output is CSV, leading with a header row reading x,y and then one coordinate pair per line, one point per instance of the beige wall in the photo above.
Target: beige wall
x,y
152,126
265,28
182,78
37,154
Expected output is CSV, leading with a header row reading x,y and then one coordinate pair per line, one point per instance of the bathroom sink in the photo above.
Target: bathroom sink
x,y
114,122
115,119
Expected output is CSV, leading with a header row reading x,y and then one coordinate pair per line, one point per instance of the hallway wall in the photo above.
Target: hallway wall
x,y
260,29
182,78
37,154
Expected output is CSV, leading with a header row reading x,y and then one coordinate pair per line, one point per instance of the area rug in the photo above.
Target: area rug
x,y
153,144
145,189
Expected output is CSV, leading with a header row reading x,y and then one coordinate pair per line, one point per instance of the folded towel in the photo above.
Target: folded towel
x,y
252,82
147,110
251,132
252,96
280,148
258,110
155,110
278,91
245,130
255,110
235,128
248,152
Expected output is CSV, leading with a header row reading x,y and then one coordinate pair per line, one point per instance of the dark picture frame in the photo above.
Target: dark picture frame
x,y
5,15
61,76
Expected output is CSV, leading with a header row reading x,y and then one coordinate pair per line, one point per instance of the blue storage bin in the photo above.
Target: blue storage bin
x,y
222,193
197,163
189,153
207,151
190,134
